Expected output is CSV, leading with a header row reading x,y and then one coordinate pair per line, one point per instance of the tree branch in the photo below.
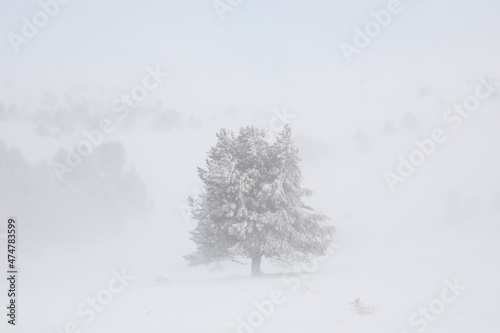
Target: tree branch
x,y
238,262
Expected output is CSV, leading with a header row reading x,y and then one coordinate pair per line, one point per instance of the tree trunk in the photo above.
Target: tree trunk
x,y
256,265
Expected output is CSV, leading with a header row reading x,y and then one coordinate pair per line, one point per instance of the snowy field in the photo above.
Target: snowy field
x,y
393,251
398,142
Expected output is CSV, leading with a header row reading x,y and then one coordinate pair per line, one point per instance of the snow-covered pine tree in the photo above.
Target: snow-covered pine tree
x,y
252,204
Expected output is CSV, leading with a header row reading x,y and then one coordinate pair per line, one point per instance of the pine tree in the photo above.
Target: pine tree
x,y
252,203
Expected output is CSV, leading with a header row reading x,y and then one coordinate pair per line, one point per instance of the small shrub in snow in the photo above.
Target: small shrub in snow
x,y
362,309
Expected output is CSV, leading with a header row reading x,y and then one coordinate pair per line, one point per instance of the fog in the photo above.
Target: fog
x,y
108,109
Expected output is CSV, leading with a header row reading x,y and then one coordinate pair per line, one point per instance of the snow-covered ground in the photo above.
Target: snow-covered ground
x,y
398,252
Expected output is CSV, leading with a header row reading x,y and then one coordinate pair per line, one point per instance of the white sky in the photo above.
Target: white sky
x,y
259,45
